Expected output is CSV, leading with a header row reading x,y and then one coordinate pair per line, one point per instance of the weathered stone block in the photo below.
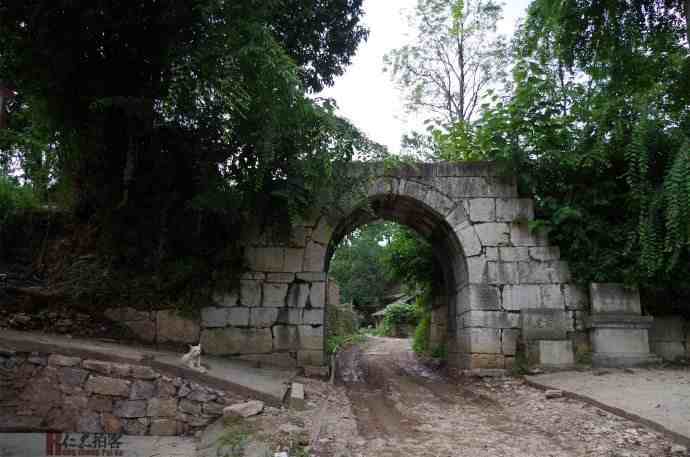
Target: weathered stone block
x,y
310,358
280,277
143,372
310,337
126,314
620,340
238,317
493,234
275,295
509,338
73,377
285,337
233,340
111,424
556,353
250,293
545,253
108,386
517,297
294,260
322,232
514,209
161,407
439,202
480,340
263,317
576,297
142,390
314,276
226,298
163,427
89,422
477,270
552,296
172,327
502,272
130,408
545,324
610,298
189,407
667,328
471,244
314,257
520,235
266,258
478,297
317,295
214,317
482,209
100,404
276,359
488,319
514,254
313,316
543,272
484,362
457,217
298,293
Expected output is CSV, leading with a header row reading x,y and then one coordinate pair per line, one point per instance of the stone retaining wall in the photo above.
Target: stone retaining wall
x,y
669,337
40,392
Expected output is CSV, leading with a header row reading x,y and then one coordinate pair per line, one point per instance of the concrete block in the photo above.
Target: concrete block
x,y
493,234
509,338
514,209
556,353
482,209
611,298
543,272
274,295
545,324
471,245
250,292
263,317
517,297
576,297
552,296
545,253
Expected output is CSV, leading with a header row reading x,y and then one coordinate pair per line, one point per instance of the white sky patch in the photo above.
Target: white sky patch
x,y
365,94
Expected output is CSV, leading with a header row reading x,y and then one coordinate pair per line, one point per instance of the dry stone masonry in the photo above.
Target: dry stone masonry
x,y
40,392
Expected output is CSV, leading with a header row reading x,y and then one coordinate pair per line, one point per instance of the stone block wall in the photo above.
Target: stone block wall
x,y
40,392
669,337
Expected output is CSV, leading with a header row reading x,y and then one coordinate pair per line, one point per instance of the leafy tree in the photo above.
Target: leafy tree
x,y
455,58
597,128
186,111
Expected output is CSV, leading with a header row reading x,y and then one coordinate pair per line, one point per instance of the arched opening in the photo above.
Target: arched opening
x,y
446,249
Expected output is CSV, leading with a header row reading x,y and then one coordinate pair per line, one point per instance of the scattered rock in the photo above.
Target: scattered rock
x,y
553,394
297,396
677,449
247,409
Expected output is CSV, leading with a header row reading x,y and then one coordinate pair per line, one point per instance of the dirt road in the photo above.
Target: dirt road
x,y
390,404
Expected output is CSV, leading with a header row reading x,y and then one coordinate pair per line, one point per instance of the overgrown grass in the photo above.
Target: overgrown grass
x,y
422,333
335,343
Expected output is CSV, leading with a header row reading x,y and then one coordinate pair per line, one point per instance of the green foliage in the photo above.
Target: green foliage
x,y
335,343
420,340
14,198
400,313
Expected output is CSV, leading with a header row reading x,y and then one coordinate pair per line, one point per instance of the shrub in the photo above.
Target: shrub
x,y
15,197
420,341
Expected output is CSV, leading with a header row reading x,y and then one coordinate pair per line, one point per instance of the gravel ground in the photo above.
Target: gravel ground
x,y
387,403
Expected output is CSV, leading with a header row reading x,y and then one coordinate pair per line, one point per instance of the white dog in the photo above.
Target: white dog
x,y
193,358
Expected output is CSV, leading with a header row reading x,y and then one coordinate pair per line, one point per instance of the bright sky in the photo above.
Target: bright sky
x,y
365,94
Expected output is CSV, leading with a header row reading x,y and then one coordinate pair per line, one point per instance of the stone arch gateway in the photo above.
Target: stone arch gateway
x,y
500,280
